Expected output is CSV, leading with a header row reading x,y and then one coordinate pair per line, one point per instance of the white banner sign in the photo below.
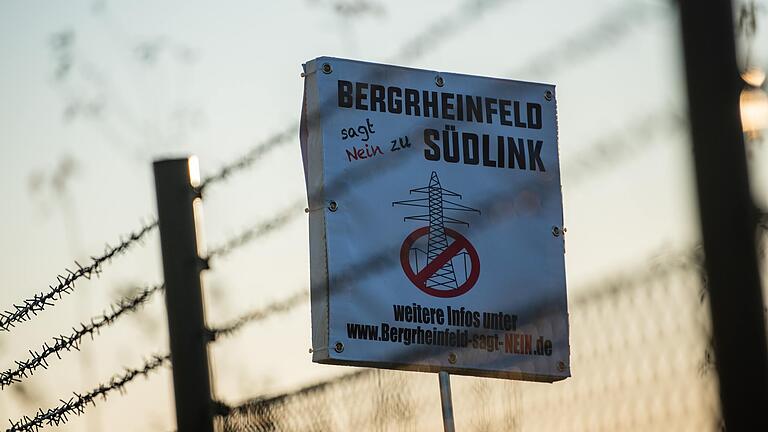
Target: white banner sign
x,y
435,217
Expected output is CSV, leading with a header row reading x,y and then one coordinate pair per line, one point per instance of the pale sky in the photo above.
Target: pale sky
x,y
140,80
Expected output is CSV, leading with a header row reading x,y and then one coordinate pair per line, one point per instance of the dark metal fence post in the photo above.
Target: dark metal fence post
x,y
183,295
728,216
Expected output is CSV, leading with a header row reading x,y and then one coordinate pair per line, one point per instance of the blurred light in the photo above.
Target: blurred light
x,y
754,102
194,171
197,209
754,77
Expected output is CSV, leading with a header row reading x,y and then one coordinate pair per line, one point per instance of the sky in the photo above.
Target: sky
x,y
91,92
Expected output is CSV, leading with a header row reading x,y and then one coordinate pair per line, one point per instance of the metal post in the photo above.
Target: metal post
x,y
446,402
728,216
183,294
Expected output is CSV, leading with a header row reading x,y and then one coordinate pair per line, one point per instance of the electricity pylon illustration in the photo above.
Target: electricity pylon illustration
x,y
437,241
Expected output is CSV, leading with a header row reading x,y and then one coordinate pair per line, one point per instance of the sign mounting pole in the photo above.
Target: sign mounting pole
x,y
446,401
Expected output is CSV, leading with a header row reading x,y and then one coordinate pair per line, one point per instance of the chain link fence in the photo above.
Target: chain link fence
x,y
641,360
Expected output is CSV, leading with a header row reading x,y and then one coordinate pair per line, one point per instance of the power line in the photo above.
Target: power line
x,y
66,284
39,359
76,404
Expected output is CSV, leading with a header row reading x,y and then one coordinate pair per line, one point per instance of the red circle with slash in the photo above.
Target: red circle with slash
x,y
419,279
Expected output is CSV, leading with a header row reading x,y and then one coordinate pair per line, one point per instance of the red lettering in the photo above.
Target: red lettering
x,y
351,154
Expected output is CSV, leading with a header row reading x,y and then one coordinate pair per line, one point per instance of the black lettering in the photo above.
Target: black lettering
x,y
534,155
394,100
361,95
490,109
516,153
412,102
394,146
459,107
345,94
500,151
487,161
429,136
399,311
534,115
474,109
450,146
429,102
504,112
470,145
447,106
377,98
518,123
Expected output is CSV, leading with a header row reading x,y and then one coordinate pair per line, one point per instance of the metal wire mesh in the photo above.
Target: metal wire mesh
x,y
640,361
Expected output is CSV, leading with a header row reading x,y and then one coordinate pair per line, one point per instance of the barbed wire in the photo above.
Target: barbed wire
x,y
251,156
258,230
612,27
410,50
66,284
614,286
629,139
601,154
280,306
444,28
76,404
39,359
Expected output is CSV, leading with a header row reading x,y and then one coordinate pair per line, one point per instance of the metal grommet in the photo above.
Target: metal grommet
x,y
326,68
439,81
332,206
556,231
452,358
339,347
548,95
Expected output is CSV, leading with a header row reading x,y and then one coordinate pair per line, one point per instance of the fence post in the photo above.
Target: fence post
x,y
176,194
728,216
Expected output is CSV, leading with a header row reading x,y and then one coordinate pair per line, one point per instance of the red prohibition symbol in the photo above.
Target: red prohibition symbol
x,y
420,279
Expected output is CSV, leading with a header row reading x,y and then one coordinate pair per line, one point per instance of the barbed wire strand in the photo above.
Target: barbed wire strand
x,y
600,150
280,306
76,404
611,147
251,156
626,16
66,284
410,50
608,287
39,359
258,230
